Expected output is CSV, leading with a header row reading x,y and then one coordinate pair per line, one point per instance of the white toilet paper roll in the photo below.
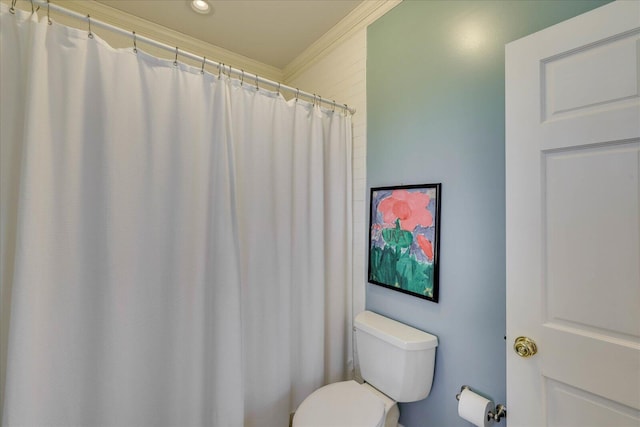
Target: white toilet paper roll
x,y
474,408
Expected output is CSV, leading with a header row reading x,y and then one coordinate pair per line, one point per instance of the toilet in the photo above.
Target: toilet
x,y
396,363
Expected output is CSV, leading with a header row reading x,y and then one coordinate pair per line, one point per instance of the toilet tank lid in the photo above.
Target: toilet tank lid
x,y
396,333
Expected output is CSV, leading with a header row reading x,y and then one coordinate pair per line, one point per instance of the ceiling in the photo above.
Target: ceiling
x,y
273,32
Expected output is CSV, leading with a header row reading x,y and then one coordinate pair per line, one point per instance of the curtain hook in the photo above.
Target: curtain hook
x,y
334,106
346,109
135,45
175,61
12,9
319,101
33,8
48,13
220,66
204,59
90,35
241,77
278,89
257,87
297,94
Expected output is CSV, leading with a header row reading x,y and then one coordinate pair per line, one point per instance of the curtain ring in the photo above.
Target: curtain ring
x,y
297,94
334,106
33,8
175,61
220,65
278,89
12,9
241,77
204,59
48,13
257,87
135,45
319,101
90,35
346,109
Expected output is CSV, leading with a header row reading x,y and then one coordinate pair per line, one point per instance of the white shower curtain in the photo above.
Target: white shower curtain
x,y
175,248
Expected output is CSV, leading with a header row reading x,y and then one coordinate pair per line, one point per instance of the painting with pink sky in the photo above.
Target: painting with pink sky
x,y
404,239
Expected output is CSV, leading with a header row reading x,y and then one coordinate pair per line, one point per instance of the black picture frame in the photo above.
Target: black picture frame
x,y
404,239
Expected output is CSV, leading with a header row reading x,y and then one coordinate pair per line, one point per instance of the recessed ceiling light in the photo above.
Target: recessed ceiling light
x,y
200,6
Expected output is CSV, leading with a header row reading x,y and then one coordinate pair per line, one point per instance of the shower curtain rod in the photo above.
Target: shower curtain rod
x,y
220,66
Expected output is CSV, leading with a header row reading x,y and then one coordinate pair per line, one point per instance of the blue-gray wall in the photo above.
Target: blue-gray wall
x,y
435,104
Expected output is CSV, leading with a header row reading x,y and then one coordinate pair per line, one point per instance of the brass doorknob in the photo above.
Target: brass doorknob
x,y
525,347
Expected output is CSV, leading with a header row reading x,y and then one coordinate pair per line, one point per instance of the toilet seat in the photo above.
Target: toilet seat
x,y
351,405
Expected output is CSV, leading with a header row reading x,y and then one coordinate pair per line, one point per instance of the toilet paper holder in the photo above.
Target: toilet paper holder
x,y
497,415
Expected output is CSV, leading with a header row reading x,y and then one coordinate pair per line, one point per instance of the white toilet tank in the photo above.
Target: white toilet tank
x,y
395,358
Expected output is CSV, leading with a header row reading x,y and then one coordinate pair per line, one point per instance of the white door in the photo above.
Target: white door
x,y
573,221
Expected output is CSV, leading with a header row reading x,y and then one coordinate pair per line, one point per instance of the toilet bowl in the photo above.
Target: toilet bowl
x,y
351,404
396,362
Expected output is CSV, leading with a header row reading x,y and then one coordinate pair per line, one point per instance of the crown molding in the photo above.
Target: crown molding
x,y
359,18
170,37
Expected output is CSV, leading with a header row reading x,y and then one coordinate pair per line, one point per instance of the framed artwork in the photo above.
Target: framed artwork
x,y
404,239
